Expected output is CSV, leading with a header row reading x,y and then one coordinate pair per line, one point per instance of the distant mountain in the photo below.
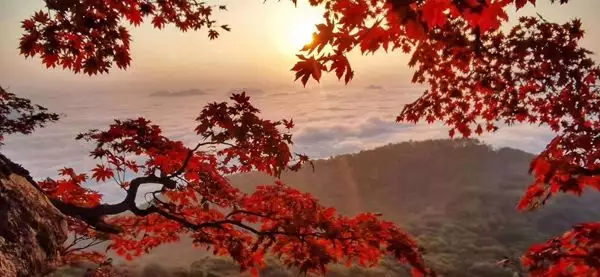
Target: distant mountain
x,y
457,197
374,87
252,91
180,93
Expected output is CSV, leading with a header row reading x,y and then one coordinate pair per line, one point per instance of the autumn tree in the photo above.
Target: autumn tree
x,y
479,77
19,116
196,199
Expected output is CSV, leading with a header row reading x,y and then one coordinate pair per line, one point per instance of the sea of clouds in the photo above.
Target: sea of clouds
x,y
328,122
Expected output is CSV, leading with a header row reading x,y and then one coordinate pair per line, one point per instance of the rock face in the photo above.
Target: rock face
x,y
31,228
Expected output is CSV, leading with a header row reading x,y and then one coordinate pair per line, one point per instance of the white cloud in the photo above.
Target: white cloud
x,y
328,122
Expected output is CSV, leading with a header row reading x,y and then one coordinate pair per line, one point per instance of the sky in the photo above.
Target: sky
x,y
260,50
255,56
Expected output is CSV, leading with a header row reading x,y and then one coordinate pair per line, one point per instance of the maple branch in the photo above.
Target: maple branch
x,y
187,159
94,215
477,41
219,225
93,242
575,170
76,239
589,172
232,213
191,154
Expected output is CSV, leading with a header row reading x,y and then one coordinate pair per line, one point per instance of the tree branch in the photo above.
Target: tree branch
x,y
191,154
94,216
93,242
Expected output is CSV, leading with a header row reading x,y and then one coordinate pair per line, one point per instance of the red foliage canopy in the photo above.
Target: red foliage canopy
x,y
196,199
479,77
91,35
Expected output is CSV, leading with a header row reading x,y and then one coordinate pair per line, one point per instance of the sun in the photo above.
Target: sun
x,y
300,34
292,27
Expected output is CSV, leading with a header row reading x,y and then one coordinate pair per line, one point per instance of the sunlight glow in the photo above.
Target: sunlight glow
x,y
292,27
300,34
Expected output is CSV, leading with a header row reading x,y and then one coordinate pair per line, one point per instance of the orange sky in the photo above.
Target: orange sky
x,y
259,51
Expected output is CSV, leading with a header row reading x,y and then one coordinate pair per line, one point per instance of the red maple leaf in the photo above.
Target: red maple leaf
x,y
306,68
135,16
50,60
434,12
158,22
102,173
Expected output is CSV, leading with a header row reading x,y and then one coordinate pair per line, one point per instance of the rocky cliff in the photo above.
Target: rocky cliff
x,y
31,229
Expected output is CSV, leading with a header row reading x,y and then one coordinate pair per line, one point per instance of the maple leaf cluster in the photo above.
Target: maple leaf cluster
x,y
90,36
196,199
19,115
372,25
575,253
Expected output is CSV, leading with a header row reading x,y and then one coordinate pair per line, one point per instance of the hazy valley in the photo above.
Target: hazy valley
x,y
457,197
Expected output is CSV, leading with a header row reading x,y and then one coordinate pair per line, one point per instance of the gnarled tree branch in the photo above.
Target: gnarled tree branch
x,y
94,216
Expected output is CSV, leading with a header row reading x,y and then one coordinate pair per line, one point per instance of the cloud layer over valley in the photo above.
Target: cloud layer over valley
x,y
328,122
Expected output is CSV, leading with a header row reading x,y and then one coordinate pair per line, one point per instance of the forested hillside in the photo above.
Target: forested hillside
x,y
458,197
